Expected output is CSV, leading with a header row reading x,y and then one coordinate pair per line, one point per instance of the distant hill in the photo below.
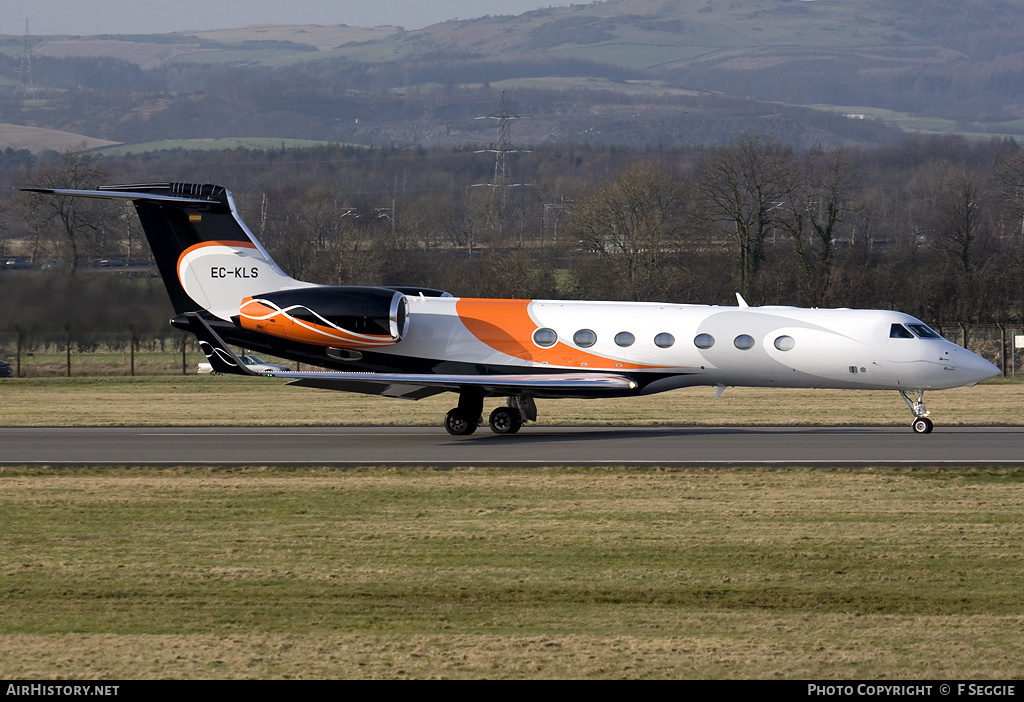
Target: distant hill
x,y
622,71
256,45
37,139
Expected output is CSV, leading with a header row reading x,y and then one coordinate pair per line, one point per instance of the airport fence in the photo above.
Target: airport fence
x,y
127,352
994,342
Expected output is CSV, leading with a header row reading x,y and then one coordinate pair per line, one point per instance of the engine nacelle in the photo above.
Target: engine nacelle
x,y
345,317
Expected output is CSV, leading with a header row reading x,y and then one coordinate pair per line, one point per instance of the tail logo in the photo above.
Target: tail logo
x,y
218,275
215,355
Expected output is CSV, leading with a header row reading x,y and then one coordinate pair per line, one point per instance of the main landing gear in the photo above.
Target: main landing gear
x,y
464,419
506,420
921,425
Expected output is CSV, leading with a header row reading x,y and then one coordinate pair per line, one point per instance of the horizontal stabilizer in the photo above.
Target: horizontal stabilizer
x,y
123,195
208,258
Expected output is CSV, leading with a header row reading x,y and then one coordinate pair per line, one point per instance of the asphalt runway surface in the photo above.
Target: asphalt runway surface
x,y
432,446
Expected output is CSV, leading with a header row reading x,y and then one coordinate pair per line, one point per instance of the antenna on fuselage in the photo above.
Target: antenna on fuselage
x,y
740,301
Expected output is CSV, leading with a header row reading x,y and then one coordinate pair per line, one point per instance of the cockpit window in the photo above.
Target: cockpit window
x,y
898,331
924,331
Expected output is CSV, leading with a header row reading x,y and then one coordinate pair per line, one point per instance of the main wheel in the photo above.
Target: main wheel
x,y
457,424
506,420
922,425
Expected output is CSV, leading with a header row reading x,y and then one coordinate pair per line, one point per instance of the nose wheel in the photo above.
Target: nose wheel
x,y
921,425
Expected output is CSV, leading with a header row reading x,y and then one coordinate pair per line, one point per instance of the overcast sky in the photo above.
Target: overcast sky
x,y
84,17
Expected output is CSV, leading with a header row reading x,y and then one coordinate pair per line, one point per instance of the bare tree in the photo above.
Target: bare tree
x,y
631,223
429,220
746,185
819,201
1010,176
4,231
76,224
318,214
961,230
946,202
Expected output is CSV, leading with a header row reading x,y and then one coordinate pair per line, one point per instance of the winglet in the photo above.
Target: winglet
x,y
740,301
222,358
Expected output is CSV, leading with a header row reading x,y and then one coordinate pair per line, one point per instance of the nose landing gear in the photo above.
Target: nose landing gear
x,y
921,424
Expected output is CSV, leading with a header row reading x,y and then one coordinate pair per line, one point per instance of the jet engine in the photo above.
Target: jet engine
x,y
345,317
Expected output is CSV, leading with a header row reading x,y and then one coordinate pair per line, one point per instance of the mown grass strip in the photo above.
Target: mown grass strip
x,y
604,572
226,401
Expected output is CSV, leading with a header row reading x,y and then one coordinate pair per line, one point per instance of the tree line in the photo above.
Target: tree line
x,y
931,226
431,99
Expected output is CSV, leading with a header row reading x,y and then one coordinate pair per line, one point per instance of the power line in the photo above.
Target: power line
x,y
503,147
25,84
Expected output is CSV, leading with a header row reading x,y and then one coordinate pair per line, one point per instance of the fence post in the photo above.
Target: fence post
x,y
1002,347
67,328
184,343
18,329
131,343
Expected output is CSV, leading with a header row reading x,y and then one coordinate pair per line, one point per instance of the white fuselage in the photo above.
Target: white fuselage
x,y
684,345
416,342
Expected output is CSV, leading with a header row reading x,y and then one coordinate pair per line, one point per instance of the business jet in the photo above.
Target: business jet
x,y
413,342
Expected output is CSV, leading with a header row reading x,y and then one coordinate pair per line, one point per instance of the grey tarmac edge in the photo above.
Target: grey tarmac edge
x,y
682,446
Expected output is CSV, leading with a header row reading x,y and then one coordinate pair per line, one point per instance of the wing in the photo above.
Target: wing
x,y
415,386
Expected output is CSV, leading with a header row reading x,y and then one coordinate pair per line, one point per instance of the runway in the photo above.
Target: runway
x,y
534,446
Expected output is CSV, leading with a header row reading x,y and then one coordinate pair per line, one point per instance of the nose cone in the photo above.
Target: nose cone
x,y
973,369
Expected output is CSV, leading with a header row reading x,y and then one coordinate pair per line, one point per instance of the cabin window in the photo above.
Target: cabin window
x,y
923,331
785,343
898,331
624,339
744,342
545,338
584,338
664,340
703,341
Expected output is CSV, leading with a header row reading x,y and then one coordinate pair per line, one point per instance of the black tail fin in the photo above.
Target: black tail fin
x,y
208,258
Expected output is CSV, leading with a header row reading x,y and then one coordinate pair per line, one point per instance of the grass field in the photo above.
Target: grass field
x,y
263,572
603,573
206,400
227,143
924,124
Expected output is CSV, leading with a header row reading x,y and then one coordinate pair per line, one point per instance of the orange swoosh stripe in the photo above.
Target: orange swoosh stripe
x,y
203,244
255,315
506,326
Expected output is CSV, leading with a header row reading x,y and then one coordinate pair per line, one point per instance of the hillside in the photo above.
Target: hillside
x,y
623,71
37,139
